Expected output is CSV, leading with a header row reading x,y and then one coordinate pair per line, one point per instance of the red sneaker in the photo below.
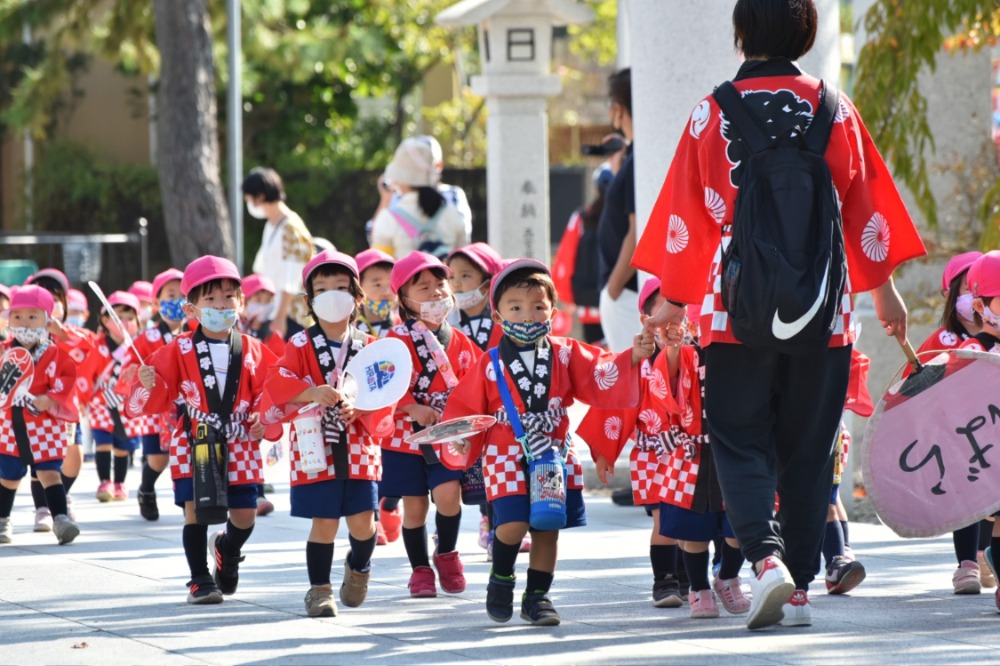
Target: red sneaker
x,y
422,583
380,539
392,522
451,571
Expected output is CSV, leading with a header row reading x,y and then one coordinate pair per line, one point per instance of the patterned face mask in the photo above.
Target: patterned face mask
x,y
469,299
990,318
526,334
380,310
218,321
435,312
28,337
172,310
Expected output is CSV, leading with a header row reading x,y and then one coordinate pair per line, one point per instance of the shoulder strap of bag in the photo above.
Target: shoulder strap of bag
x,y
747,125
508,402
818,134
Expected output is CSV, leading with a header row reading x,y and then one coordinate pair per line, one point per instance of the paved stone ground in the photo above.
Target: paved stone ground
x,y
117,596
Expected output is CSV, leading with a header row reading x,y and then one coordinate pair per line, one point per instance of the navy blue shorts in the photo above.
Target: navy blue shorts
x,y
151,446
517,509
409,475
335,498
240,497
12,469
834,493
78,435
687,525
103,437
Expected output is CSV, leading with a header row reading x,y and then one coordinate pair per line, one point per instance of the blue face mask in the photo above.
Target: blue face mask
x,y
526,334
379,310
218,321
172,310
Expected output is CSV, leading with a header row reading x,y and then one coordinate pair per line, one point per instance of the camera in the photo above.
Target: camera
x,y
609,147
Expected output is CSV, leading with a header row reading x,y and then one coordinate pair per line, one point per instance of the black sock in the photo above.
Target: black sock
x,y
67,482
415,541
195,539
319,561
489,514
55,497
717,550
504,556
732,561
697,569
361,553
484,509
233,539
121,468
38,494
6,501
103,461
833,542
390,503
663,559
847,537
966,542
985,534
538,581
447,529
149,477
994,546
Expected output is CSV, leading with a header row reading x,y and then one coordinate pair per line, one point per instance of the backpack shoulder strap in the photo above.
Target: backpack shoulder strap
x,y
818,134
747,125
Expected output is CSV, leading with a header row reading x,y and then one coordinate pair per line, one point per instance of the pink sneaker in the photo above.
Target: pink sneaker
x,y
422,583
731,594
451,572
703,604
965,580
105,491
120,494
484,532
525,544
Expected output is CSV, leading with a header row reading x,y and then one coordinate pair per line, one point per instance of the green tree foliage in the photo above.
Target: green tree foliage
x,y
905,39
597,41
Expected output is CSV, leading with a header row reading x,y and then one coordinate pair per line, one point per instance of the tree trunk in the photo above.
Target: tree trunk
x,y
195,213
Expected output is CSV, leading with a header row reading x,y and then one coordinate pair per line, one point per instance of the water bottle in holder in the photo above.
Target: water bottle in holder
x,y
547,490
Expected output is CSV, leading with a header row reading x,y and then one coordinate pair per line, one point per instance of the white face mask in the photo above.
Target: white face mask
x,y
146,312
990,318
334,306
435,312
256,211
963,306
76,320
258,311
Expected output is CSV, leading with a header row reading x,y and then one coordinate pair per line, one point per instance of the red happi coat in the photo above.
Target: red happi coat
x,y
98,370
461,352
79,345
691,222
178,377
579,372
297,371
976,345
55,376
148,342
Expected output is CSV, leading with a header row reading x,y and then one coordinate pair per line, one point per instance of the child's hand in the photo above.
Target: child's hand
x,y
324,395
422,414
643,346
128,374
604,470
257,429
460,446
349,414
55,329
675,335
147,377
43,403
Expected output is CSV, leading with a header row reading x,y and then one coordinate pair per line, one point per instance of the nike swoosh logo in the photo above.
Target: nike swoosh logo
x,y
786,331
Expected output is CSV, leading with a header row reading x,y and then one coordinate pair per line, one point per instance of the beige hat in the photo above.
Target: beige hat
x,y
413,165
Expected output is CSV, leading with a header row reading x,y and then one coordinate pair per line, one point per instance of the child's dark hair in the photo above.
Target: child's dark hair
x,y
407,312
980,322
53,286
647,307
483,275
620,88
262,181
387,265
210,286
430,200
949,318
333,270
527,277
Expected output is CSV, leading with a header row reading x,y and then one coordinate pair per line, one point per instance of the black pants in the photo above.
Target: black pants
x,y
773,420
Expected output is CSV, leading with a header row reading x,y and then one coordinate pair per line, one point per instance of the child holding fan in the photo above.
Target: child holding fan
x,y
528,383
219,375
341,482
441,357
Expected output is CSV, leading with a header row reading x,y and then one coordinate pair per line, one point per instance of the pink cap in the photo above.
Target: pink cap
x,y
411,265
257,282
142,290
31,297
76,300
53,273
956,266
123,298
482,255
5,291
510,267
369,258
650,288
161,280
333,258
208,268
984,275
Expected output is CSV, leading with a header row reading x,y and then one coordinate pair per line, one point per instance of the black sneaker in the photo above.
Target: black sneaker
x,y
844,575
500,598
147,505
202,590
226,568
667,593
623,497
537,608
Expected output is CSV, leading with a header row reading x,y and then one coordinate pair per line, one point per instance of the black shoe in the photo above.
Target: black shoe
x,y
147,506
623,497
537,608
202,590
500,598
844,575
667,593
226,567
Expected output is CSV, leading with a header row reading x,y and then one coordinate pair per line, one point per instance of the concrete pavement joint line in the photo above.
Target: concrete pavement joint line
x,y
101,630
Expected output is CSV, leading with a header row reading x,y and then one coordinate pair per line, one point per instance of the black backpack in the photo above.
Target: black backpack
x,y
784,271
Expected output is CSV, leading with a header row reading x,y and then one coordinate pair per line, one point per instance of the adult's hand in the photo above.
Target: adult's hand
x,y
667,314
890,310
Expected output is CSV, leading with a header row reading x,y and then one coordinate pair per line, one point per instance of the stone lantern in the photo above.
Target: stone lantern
x,y
515,46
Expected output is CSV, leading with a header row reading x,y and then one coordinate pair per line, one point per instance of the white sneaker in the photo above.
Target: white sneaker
x,y
43,519
769,590
6,531
65,529
798,610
